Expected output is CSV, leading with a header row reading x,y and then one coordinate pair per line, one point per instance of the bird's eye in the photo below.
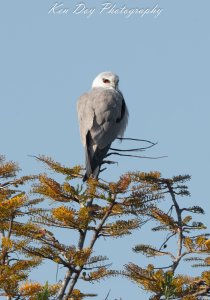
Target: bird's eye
x,y
106,80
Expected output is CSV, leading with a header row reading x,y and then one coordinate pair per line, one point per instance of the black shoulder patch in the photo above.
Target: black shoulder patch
x,y
122,111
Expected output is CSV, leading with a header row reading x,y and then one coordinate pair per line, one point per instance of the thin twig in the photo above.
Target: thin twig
x,y
167,239
179,220
92,242
5,184
137,156
134,149
162,268
133,139
107,295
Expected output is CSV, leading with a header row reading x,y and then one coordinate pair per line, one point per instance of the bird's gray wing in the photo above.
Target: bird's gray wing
x,y
100,113
106,126
85,113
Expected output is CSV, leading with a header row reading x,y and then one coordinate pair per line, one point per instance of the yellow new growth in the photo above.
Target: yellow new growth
x,y
6,243
9,205
64,214
164,219
7,169
100,273
49,187
188,243
207,244
206,277
81,256
30,288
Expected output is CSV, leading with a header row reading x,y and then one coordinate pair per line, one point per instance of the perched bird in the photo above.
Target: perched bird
x,y
103,117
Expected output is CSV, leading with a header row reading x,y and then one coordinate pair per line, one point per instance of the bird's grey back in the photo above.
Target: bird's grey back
x,y
98,112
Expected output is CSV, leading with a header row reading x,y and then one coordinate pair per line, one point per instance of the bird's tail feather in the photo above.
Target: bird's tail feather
x,y
94,158
87,165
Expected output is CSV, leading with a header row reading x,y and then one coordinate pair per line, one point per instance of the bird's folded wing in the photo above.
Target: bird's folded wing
x,y
85,115
98,112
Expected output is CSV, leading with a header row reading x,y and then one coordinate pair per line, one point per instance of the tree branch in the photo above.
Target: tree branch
x,y
180,229
92,242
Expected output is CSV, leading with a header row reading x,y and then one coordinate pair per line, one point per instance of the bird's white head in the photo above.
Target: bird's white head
x,y
106,80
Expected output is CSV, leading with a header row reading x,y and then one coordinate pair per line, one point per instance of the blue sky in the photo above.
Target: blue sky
x,y
47,61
